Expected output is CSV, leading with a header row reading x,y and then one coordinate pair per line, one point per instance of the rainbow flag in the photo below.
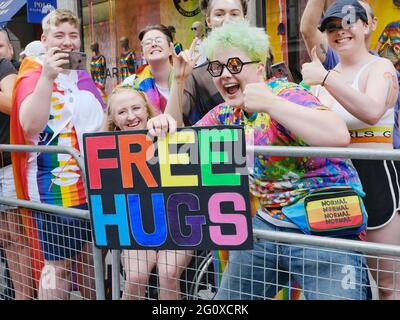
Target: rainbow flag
x,y
145,82
20,161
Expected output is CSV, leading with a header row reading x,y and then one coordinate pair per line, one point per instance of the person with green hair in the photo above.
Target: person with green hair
x,y
280,113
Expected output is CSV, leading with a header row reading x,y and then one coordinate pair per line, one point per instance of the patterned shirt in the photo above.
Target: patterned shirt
x,y
98,71
127,65
391,33
276,182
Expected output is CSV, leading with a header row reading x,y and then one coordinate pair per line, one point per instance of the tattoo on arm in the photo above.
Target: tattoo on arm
x,y
392,89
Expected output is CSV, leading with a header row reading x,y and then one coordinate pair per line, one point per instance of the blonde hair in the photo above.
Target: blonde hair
x,y
58,16
109,124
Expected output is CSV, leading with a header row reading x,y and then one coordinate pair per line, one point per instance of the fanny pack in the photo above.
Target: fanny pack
x,y
329,212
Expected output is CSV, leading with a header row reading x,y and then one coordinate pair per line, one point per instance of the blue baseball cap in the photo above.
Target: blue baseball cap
x,y
351,10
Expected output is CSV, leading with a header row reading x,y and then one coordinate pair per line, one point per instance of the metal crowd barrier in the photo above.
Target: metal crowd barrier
x,y
198,279
12,233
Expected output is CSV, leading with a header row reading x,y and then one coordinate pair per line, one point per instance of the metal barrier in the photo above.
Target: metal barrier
x,y
197,281
13,233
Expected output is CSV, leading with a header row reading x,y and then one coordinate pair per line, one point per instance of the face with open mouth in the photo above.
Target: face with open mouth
x,y
129,111
343,37
155,46
231,86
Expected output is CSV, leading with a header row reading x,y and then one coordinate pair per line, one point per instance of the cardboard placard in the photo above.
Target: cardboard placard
x,y
187,191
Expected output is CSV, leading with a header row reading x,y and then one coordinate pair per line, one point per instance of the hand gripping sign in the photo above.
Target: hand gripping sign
x,y
187,191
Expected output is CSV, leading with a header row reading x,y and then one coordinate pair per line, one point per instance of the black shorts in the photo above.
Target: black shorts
x,y
380,181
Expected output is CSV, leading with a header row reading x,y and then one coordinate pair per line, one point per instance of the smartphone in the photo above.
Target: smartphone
x,y
77,60
280,70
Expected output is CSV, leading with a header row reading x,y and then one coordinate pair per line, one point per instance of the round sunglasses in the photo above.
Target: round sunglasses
x,y
234,66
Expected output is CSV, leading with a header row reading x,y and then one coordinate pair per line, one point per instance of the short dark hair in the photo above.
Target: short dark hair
x,y
172,29
205,6
159,27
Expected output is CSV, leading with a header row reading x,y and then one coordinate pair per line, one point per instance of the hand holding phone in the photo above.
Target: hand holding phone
x,y
77,60
281,71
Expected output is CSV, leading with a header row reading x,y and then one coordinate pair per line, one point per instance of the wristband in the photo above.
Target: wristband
x,y
327,74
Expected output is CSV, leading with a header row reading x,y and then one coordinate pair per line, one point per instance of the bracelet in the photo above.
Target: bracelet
x,y
327,74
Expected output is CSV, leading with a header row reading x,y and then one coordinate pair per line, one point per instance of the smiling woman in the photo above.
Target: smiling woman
x,y
155,78
363,91
128,109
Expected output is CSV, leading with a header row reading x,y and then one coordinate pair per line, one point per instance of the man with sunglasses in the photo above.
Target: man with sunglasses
x,y
200,94
279,113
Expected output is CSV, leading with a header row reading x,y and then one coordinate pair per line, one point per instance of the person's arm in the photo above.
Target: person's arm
x,y
316,127
309,28
188,98
183,67
380,93
6,90
34,111
381,90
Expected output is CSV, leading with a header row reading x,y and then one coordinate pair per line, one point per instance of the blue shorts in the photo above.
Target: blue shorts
x,y
62,237
322,274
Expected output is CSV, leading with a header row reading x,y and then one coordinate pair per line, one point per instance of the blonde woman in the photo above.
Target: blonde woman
x,y
130,109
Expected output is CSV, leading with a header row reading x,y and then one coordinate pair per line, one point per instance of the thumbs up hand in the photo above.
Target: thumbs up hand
x,y
258,97
313,72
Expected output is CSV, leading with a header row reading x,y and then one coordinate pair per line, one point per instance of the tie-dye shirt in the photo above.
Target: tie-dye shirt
x,y
144,81
76,108
276,182
126,65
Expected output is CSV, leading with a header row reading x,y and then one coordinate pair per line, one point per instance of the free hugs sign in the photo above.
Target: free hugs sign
x,y
186,191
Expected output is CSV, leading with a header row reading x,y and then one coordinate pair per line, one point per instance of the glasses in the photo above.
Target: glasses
x,y
234,66
149,42
194,28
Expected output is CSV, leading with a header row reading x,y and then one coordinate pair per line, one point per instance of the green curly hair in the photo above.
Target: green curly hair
x,y
238,35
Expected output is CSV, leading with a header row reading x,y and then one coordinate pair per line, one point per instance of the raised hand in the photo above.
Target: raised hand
x,y
313,72
52,63
161,125
184,62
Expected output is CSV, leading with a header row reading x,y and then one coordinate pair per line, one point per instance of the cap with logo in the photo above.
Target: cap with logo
x,y
351,10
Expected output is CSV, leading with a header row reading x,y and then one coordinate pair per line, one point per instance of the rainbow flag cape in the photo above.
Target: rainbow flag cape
x,y
20,161
145,82
29,74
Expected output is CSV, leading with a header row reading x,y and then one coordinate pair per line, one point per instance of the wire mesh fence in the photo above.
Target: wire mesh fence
x,y
288,272
46,251
290,268
68,272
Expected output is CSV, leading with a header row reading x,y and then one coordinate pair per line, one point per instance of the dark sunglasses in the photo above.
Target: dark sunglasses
x,y
234,66
334,26
194,28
